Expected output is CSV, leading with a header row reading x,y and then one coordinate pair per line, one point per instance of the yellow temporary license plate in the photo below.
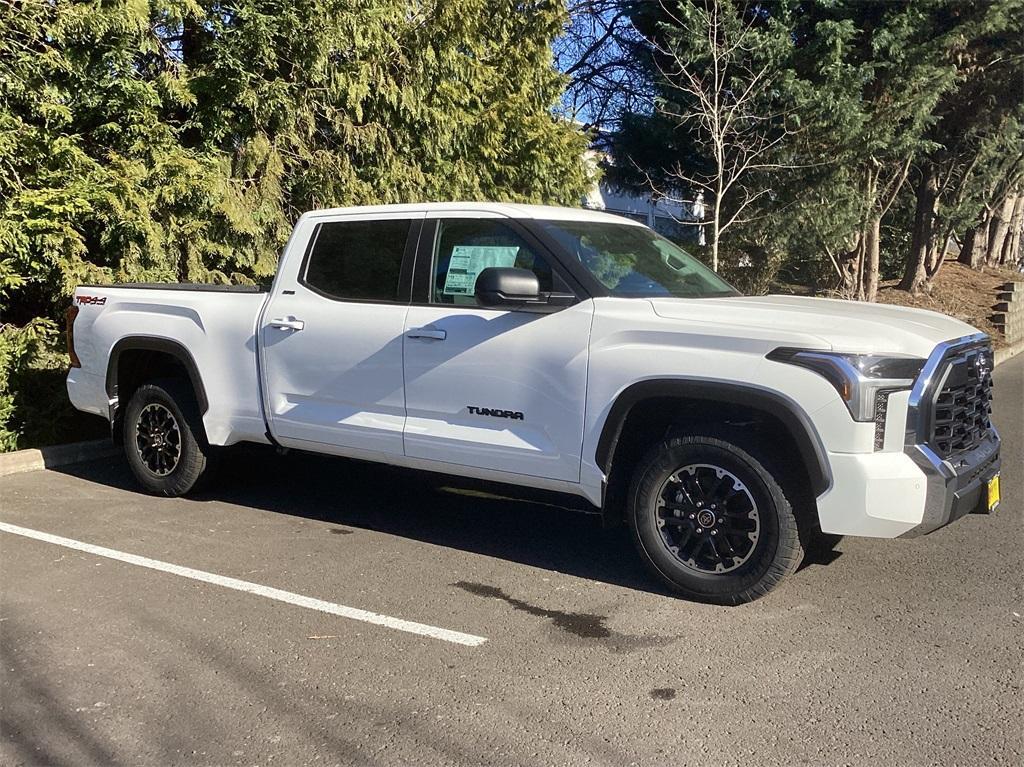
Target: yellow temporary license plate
x,y
993,493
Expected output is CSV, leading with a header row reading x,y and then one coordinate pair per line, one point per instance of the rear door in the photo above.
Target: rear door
x,y
492,388
332,337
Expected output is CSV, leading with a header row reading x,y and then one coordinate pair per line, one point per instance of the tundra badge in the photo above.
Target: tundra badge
x,y
515,415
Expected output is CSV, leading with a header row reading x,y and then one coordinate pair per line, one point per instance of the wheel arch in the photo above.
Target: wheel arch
x,y
134,359
727,394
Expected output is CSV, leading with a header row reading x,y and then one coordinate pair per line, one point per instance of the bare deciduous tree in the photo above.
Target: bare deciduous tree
x,y
599,52
722,79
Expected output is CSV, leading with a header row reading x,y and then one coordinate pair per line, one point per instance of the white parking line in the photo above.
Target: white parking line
x,y
289,597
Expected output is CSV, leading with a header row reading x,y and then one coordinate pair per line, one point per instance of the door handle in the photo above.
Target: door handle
x,y
433,334
288,323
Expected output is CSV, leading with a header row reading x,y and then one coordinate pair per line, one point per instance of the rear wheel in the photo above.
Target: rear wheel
x,y
164,439
711,521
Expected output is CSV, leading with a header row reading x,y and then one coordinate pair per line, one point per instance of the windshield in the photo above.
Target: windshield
x,y
635,262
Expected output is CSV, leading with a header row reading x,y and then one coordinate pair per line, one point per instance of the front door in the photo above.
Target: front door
x,y
332,338
489,388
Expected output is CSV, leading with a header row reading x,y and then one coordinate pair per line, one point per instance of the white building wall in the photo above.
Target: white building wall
x,y
674,218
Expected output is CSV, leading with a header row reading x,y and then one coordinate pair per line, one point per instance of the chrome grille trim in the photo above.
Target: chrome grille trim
x,y
962,403
941,474
921,412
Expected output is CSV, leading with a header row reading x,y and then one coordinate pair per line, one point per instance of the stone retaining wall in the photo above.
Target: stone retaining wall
x,y
1009,316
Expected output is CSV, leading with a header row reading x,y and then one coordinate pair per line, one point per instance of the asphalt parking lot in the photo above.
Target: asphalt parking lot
x,y
877,652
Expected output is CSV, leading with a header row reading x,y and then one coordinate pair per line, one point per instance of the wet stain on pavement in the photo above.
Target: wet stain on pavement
x,y
582,625
663,693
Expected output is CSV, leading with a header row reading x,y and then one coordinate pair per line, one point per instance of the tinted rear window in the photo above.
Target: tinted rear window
x,y
358,260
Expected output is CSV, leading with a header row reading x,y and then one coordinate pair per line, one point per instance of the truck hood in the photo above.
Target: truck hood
x,y
847,326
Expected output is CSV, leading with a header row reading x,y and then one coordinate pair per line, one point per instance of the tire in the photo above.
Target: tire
x,y
164,439
711,521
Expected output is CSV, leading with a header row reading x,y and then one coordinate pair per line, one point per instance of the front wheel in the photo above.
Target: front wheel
x,y
164,439
711,521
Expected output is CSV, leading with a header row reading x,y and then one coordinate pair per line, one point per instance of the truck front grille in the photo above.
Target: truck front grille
x,y
963,406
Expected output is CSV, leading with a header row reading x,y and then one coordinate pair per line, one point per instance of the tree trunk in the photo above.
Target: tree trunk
x,y
847,264
870,258
999,229
915,274
1012,256
716,222
714,242
191,41
936,252
861,264
975,247
192,34
967,248
857,269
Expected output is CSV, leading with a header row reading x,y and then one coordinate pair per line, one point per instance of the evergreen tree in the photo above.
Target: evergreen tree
x,y
975,158
898,51
159,140
179,139
925,91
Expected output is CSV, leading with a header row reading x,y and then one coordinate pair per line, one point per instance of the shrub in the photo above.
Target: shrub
x,y
34,408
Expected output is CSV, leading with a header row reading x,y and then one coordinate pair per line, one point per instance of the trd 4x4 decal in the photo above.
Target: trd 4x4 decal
x,y
98,300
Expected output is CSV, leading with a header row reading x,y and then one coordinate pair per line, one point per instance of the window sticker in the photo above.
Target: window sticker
x,y
468,261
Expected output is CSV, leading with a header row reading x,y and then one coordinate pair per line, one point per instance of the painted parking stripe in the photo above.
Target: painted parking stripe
x,y
299,600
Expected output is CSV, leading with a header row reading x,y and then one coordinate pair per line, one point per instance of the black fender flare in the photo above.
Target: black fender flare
x,y
789,413
164,346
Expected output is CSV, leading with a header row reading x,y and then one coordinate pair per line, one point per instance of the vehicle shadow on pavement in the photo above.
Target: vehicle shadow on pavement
x,y
422,507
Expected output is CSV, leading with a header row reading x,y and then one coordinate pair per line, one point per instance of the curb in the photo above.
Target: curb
x,y
1008,352
59,455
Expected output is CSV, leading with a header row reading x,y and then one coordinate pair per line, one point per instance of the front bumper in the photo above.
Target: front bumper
x,y
955,489
913,492
892,495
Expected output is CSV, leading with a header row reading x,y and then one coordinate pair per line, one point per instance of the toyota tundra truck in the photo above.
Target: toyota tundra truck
x,y
561,350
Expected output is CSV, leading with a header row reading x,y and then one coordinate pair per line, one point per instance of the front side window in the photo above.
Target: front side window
x,y
358,260
465,247
634,262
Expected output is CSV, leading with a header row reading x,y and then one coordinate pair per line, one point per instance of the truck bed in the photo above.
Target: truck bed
x,y
212,325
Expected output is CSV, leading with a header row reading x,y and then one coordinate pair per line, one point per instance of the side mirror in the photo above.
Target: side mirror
x,y
505,286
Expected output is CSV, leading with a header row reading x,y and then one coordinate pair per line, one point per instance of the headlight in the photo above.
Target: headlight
x,y
862,380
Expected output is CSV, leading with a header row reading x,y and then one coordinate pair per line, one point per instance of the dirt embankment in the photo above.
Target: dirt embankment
x,y
960,292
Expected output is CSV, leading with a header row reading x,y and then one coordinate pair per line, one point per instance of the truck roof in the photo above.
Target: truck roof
x,y
468,209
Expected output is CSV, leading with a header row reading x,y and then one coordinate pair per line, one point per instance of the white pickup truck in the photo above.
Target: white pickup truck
x,y
563,350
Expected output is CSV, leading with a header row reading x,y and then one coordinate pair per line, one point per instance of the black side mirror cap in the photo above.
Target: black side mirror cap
x,y
506,286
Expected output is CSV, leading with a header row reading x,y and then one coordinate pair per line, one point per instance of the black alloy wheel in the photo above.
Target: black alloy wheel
x,y
708,518
711,518
158,438
164,438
